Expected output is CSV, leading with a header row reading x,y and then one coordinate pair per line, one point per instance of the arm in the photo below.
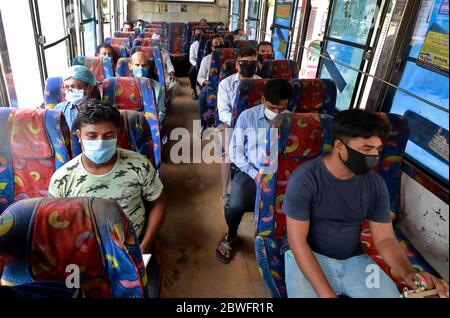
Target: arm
x,y
160,102
223,103
389,248
156,213
202,77
237,149
169,66
310,267
193,50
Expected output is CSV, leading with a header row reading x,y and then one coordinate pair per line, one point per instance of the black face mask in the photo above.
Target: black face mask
x,y
359,163
197,37
220,46
248,70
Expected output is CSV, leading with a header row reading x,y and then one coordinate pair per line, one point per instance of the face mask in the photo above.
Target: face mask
x,y
359,163
99,151
248,70
264,57
140,72
161,45
243,38
220,46
75,96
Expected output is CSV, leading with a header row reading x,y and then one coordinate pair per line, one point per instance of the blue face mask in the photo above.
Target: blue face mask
x,y
243,38
75,96
99,151
140,72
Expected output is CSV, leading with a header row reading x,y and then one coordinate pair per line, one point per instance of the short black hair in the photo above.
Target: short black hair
x,y
276,90
139,20
107,46
216,36
264,43
247,51
236,32
127,22
358,123
97,111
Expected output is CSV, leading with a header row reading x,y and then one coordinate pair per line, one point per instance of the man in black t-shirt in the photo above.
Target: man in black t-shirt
x,y
326,202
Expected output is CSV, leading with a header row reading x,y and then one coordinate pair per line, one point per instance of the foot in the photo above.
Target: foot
x,y
194,94
223,250
225,198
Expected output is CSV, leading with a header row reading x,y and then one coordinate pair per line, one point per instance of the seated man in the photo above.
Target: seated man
x,y
265,52
139,23
127,26
228,89
79,84
246,146
107,50
239,34
327,200
203,22
104,171
139,65
193,51
172,84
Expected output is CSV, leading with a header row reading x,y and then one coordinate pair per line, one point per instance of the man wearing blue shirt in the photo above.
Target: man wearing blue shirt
x,y
246,146
79,85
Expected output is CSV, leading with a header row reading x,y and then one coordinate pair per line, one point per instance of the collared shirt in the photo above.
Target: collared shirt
x,y
168,66
203,72
249,140
226,95
69,110
193,51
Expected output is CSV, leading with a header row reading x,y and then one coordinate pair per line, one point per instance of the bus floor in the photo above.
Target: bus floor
x,y
195,222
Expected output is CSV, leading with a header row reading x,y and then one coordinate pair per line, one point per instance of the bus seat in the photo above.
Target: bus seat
x,y
300,139
120,45
41,237
53,93
177,37
310,95
219,56
35,143
143,42
249,95
202,46
130,35
228,68
147,50
101,67
136,94
240,44
389,168
146,35
134,134
287,69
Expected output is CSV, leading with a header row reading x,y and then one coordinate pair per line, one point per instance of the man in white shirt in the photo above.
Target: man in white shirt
x,y
203,73
246,64
172,84
193,51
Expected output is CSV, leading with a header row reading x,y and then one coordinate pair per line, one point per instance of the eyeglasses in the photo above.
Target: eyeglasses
x,y
71,89
247,62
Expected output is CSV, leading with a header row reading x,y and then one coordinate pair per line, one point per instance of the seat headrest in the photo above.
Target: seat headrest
x,y
147,50
314,95
124,92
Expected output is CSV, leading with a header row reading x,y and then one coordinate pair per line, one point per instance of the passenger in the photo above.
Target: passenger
x,y
265,52
239,34
107,50
79,84
202,78
327,200
193,51
139,65
127,26
228,88
104,171
246,146
203,22
139,24
172,84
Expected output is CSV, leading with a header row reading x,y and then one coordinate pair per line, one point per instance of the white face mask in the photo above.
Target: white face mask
x,y
270,115
75,96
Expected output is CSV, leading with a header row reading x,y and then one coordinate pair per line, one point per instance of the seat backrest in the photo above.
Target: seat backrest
x,y
41,237
219,56
136,94
143,42
177,38
287,69
146,35
228,68
125,34
250,94
313,95
147,50
120,45
101,67
35,143
302,136
134,134
240,44
54,92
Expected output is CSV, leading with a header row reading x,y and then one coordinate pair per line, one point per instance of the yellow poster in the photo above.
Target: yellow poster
x,y
283,11
434,53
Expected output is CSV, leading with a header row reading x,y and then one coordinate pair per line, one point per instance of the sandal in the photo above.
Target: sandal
x,y
223,250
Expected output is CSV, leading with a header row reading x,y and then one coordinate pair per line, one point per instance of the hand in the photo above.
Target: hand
x,y
432,282
206,83
145,248
258,178
172,76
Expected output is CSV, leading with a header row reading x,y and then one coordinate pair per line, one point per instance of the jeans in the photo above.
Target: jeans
x,y
242,199
346,278
202,104
193,77
153,273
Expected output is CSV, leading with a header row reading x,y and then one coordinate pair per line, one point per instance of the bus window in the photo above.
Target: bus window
x,y
87,27
284,14
235,14
252,19
429,81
